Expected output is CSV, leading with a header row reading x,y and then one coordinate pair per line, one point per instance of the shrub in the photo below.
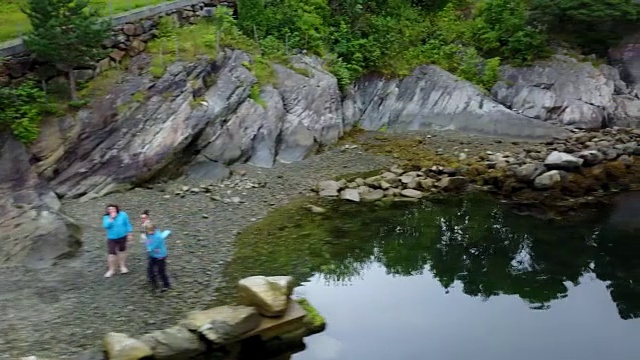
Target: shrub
x,y
22,109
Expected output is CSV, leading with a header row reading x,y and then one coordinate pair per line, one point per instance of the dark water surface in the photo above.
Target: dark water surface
x,y
459,279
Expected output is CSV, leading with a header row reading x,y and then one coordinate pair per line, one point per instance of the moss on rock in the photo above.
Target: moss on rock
x,y
314,320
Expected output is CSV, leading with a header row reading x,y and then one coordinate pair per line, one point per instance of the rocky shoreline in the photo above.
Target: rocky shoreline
x,y
576,168
61,311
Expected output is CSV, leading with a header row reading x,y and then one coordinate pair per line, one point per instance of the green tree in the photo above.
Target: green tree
x,y
67,33
502,29
594,25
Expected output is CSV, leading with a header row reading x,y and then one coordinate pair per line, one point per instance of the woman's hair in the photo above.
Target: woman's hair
x,y
146,212
114,206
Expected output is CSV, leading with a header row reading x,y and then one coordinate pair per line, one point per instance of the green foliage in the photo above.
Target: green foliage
x,y
594,25
66,33
255,95
501,29
22,109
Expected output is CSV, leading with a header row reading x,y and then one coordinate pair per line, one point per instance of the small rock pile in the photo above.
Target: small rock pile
x,y
223,328
220,191
593,157
395,183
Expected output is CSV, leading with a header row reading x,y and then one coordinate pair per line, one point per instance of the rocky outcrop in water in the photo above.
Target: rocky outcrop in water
x,y
431,98
32,229
570,93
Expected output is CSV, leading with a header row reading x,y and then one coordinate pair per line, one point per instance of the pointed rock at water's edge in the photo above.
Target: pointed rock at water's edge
x,y
120,346
270,295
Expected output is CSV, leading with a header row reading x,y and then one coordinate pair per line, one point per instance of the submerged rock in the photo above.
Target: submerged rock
x,y
270,295
122,347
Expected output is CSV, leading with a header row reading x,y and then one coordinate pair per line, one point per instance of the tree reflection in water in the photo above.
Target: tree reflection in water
x,y
475,241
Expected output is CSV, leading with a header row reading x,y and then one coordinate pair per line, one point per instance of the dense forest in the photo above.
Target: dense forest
x,y
469,38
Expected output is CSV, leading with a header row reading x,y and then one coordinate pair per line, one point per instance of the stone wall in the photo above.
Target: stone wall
x,y
131,32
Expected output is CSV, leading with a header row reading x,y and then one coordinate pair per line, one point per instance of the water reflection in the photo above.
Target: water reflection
x,y
475,242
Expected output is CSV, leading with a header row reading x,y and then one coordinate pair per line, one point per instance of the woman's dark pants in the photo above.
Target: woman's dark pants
x,y
159,266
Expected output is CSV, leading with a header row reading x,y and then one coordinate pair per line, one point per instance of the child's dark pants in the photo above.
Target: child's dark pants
x,y
159,266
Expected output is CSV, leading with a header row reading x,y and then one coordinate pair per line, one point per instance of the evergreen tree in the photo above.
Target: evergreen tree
x,y
66,33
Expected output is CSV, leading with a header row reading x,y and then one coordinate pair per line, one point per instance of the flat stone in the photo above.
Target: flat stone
x,y
411,193
174,343
562,161
350,195
120,346
548,179
455,183
223,324
373,195
270,295
528,172
591,157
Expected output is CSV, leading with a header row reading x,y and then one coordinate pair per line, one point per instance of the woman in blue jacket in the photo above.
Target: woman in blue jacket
x,y
157,252
119,231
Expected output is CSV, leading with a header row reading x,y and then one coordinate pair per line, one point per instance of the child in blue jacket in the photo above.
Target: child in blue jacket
x,y
157,252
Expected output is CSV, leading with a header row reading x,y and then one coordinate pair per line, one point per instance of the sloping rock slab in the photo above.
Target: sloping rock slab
x,y
122,142
431,98
33,231
570,92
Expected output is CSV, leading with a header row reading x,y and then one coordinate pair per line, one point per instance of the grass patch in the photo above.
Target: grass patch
x,y
13,21
316,320
181,43
255,95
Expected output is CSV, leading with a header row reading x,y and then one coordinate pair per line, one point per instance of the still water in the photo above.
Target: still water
x,y
464,279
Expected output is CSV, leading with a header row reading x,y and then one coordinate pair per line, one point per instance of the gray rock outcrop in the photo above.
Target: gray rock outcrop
x,y
431,98
33,231
568,92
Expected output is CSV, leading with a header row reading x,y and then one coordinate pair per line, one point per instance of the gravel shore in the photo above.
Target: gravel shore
x,y
68,308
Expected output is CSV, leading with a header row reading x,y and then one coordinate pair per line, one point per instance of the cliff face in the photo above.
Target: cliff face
x,y
32,230
202,117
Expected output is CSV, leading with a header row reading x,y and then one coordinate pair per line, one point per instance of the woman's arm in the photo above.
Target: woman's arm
x,y
107,222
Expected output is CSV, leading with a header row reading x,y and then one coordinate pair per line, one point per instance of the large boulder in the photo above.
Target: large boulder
x,y
431,98
269,294
119,346
33,231
223,324
569,92
174,343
